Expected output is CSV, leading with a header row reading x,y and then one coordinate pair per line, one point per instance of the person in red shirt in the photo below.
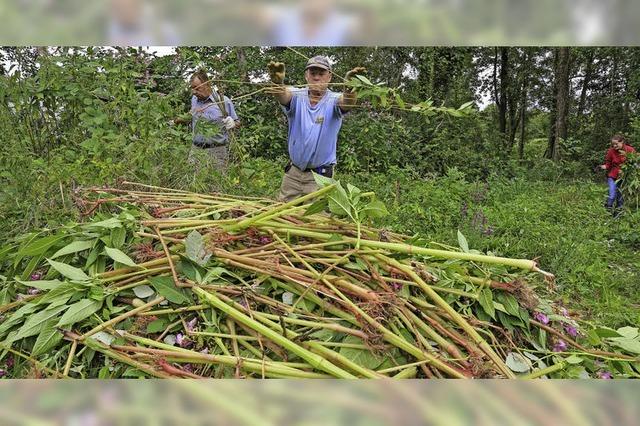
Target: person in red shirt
x,y
615,156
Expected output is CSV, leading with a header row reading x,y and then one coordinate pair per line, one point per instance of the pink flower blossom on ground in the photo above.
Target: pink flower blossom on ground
x,y
560,346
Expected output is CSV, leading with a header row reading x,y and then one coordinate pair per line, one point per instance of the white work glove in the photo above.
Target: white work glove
x,y
228,123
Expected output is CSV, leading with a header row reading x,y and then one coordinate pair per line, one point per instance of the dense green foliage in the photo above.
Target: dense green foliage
x,y
95,116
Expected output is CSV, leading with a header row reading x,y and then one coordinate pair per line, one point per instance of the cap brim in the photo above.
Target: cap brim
x,y
324,67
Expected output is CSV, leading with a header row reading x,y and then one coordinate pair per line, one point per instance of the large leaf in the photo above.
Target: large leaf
x,y
339,202
323,181
166,287
110,223
118,237
486,301
69,271
629,345
35,323
363,357
74,247
48,338
79,311
195,248
119,256
39,246
15,318
375,208
42,284
318,206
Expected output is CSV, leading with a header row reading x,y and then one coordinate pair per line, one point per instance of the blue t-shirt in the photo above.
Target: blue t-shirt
x,y
313,131
206,114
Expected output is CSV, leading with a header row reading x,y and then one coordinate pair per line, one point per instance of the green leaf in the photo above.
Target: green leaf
x,y
465,105
157,326
48,338
118,237
15,318
35,323
110,223
79,311
510,304
166,287
318,206
361,357
195,248
41,284
628,332
74,247
573,359
339,202
69,271
119,256
462,241
629,345
38,247
58,295
605,332
364,79
374,209
486,301
517,362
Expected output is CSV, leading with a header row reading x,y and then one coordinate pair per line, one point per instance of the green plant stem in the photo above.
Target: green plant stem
x,y
313,359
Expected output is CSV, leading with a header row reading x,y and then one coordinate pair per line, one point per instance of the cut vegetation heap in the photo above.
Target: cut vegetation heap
x,y
167,283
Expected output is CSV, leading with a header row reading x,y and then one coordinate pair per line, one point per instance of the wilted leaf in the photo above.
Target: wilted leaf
x,y
195,249
35,323
517,362
363,357
143,291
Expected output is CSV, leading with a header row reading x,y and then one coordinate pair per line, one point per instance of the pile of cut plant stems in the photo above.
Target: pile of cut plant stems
x,y
166,283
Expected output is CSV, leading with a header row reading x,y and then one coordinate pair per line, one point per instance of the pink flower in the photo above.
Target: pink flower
x,y
2,372
605,375
564,312
36,276
560,346
540,317
33,291
571,330
205,351
180,339
192,324
265,240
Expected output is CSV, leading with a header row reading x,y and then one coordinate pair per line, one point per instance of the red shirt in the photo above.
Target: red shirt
x,y
613,159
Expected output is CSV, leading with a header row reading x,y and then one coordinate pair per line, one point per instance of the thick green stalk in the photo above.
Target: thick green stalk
x,y
455,316
279,209
313,359
528,265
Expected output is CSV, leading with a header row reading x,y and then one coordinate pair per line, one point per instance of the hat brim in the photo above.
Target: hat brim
x,y
324,67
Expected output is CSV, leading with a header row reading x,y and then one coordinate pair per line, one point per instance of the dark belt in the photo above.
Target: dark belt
x,y
326,170
207,145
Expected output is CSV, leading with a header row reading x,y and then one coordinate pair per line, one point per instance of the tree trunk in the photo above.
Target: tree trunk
x,y
504,84
561,102
588,76
242,64
523,104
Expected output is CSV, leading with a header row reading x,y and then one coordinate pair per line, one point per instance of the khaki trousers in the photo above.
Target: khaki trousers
x,y
296,183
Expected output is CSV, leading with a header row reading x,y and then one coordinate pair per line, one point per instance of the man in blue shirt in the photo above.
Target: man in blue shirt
x,y
315,116
211,121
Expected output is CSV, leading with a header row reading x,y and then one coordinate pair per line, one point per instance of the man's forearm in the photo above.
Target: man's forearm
x,y
347,100
283,95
